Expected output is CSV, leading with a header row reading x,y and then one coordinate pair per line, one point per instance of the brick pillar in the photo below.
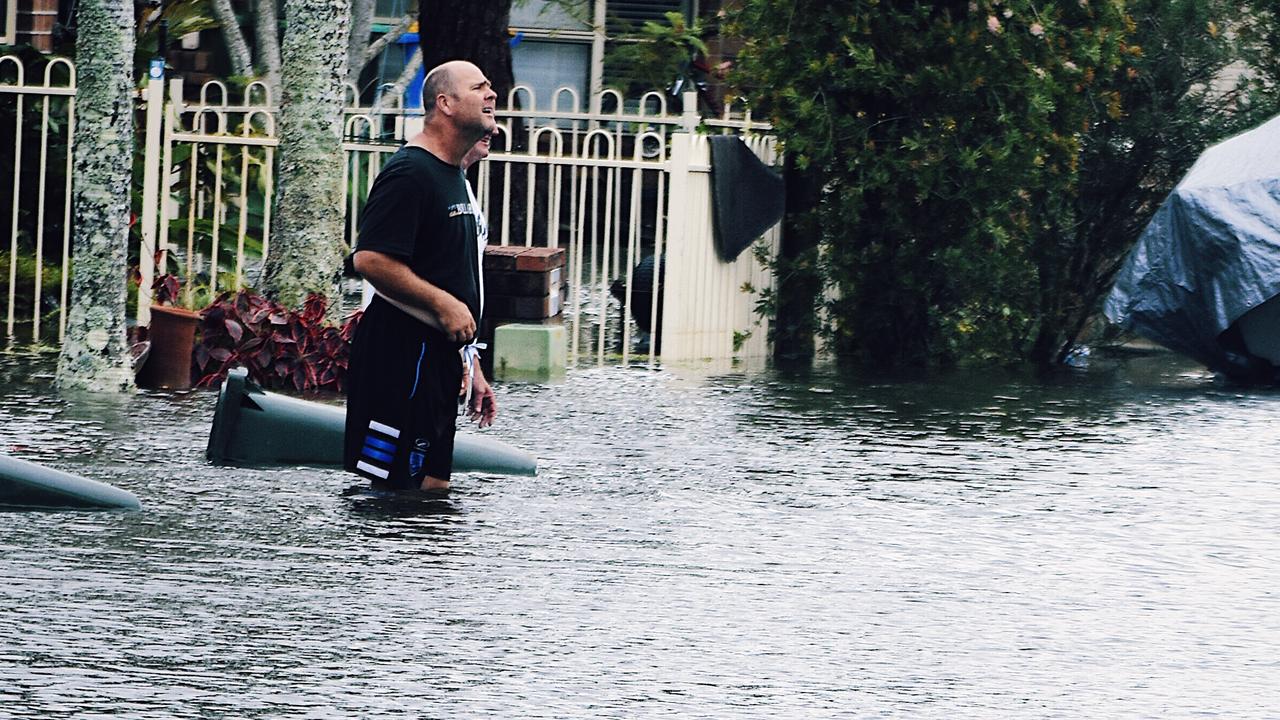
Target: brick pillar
x,y
35,23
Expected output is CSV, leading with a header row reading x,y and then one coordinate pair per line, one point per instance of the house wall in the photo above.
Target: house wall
x,y
34,21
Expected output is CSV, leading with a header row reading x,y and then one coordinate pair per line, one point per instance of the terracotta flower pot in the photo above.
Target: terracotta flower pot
x,y
173,337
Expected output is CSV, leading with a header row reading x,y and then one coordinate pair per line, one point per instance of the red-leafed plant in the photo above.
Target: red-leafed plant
x,y
281,348
166,289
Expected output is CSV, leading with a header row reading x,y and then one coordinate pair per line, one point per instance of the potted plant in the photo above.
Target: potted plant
x,y
172,337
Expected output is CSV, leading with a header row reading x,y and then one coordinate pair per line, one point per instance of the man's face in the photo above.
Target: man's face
x,y
474,100
478,152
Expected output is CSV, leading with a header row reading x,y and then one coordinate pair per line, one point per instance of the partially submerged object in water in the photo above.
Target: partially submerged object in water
x,y
1204,277
28,485
254,427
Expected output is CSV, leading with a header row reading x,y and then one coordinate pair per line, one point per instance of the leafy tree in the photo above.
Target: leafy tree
x,y
1158,112
984,165
172,20
940,133
658,55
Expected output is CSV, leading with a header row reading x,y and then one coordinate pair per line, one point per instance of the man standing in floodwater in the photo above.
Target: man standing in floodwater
x,y
418,247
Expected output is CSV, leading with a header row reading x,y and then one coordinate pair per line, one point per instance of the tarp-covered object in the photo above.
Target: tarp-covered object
x,y
1210,255
748,197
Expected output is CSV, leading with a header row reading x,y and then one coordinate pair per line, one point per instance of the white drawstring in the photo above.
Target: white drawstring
x,y
470,354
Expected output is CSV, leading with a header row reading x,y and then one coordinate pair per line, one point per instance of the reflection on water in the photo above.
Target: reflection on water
x,y
1095,544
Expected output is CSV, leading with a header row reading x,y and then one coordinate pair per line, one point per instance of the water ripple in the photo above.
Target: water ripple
x,y
725,545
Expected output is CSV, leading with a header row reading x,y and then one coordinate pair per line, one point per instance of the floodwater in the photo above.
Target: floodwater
x,y
1102,544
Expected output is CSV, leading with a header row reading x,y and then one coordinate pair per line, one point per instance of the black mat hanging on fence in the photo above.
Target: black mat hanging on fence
x,y
747,196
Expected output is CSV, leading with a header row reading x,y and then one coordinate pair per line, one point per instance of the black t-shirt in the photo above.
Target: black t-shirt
x,y
419,211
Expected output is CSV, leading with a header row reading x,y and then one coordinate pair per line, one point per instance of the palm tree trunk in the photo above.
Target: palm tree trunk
x,y
95,352
361,23
374,48
267,33
307,245
241,60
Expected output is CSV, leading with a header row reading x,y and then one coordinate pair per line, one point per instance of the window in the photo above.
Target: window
x,y
548,17
553,49
624,17
8,21
546,66
390,12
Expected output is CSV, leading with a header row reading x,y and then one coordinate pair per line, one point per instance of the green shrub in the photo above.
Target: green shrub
x,y
984,164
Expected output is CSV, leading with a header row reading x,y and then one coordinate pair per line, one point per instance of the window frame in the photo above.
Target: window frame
x,y
9,23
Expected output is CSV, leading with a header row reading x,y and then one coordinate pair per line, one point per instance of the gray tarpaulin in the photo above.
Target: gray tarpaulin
x,y
748,196
1210,255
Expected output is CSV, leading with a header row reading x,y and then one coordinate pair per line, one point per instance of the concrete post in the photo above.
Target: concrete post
x,y
676,295
689,120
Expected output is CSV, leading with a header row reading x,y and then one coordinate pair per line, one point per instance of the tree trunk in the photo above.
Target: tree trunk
x,y
358,40
478,32
237,48
798,279
95,352
400,85
376,47
307,245
267,34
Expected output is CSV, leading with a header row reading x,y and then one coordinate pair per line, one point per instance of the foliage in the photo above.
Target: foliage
x,y
1259,35
941,132
281,348
657,56
980,161
166,288
209,166
24,300
178,18
1171,105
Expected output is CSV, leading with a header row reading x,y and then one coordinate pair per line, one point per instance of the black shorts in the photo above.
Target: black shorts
x,y
402,399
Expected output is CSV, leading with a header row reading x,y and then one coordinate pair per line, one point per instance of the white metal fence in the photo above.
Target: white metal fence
x,y
37,112
611,187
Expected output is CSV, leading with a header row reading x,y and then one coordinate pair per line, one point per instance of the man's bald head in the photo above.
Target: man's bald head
x,y
441,80
458,107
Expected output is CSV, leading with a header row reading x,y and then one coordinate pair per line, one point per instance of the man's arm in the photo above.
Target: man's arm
x,y
397,281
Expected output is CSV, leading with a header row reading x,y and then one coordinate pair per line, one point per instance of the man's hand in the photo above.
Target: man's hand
x,y
455,319
484,404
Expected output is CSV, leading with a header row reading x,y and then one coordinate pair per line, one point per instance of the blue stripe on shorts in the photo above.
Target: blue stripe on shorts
x,y
376,454
374,441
